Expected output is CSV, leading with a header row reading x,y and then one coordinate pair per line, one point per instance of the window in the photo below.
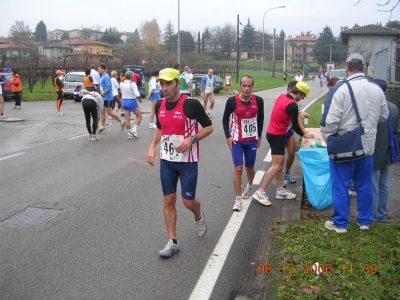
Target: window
x,y
397,70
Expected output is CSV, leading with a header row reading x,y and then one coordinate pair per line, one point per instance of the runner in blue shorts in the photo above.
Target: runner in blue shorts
x,y
178,133
243,135
154,96
130,95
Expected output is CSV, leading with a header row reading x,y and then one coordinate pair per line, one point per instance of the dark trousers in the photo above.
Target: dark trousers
x,y
90,109
17,97
77,98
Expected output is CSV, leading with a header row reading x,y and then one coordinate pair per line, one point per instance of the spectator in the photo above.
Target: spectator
x,y
339,118
380,175
332,82
16,88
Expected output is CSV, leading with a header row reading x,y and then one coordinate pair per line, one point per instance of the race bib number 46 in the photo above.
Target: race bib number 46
x,y
168,145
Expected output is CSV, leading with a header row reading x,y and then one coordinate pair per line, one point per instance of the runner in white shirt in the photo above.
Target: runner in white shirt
x,y
95,76
130,95
299,77
207,87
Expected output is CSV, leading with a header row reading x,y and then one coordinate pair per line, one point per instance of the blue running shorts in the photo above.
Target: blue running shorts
x,y
246,149
289,134
129,104
187,172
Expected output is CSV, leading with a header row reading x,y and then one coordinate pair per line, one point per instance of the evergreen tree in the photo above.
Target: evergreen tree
x,y
321,48
65,36
186,39
248,36
41,32
393,24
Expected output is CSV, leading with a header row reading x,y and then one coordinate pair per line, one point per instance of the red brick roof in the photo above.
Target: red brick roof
x,y
303,38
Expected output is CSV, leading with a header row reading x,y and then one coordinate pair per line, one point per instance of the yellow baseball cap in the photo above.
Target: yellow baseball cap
x,y
168,74
304,88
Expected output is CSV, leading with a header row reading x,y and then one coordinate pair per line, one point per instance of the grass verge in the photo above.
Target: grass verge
x,y
356,265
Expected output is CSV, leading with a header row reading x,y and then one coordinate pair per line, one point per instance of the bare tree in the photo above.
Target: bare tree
x,y
19,31
367,50
390,10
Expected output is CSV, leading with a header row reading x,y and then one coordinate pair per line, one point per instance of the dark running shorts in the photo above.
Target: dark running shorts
x,y
109,103
277,144
186,172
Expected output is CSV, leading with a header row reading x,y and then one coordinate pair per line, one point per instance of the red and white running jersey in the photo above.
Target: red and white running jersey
x,y
175,125
244,120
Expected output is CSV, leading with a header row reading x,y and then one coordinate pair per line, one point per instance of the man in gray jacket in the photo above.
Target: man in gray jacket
x,y
340,118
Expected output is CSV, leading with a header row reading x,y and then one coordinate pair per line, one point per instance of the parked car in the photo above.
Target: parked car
x,y
141,84
71,80
219,83
7,86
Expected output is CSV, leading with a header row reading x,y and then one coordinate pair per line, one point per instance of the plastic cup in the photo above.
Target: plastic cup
x,y
305,120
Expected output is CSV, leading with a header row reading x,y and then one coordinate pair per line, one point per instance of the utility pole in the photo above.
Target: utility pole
x,y
273,55
330,52
237,53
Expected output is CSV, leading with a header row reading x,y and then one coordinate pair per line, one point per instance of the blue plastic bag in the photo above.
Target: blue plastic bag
x,y
317,176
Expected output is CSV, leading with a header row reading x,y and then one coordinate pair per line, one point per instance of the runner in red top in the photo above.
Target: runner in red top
x,y
244,135
284,113
177,130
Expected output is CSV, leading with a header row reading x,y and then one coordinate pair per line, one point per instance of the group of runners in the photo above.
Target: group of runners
x,y
176,118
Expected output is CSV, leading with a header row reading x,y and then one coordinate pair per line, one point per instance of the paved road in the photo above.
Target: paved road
x,y
105,243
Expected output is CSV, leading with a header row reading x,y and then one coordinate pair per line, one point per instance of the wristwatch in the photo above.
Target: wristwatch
x,y
194,139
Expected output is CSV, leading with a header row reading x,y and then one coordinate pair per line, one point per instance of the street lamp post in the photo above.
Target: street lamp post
x,y
262,58
179,35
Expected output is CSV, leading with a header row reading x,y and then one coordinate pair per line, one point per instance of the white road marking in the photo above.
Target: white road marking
x,y
258,177
211,271
13,155
79,136
268,158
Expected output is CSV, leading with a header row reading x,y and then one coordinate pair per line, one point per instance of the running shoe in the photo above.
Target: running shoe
x,y
135,135
209,114
247,192
363,227
94,138
122,124
201,226
19,107
130,134
152,126
60,113
169,249
288,178
261,197
331,226
101,129
284,194
110,118
57,113
238,204
3,117
122,114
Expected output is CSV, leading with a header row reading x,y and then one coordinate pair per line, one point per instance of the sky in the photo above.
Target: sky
x,y
126,15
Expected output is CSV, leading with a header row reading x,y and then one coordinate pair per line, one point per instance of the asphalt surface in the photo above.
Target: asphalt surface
x,y
105,243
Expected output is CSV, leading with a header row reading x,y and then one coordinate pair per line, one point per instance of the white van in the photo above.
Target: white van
x,y
340,73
